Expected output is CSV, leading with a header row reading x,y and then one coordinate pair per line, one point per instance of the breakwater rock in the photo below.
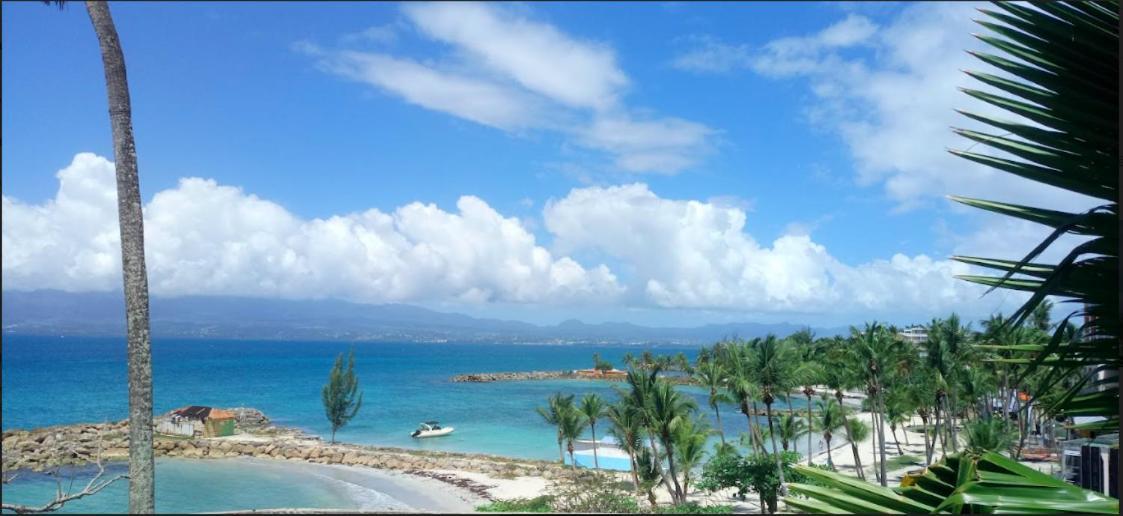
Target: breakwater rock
x,y
512,376
51,447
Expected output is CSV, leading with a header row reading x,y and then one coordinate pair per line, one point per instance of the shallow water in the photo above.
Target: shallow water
x,y
184,485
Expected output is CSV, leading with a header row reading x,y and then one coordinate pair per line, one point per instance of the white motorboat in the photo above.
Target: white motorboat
x,y
431,429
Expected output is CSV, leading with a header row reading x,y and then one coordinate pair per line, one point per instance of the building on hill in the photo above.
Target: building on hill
x,y
915,334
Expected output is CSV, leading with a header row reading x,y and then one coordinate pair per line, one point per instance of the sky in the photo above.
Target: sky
x,y
658,163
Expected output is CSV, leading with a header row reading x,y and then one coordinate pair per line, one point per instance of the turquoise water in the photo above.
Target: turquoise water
x,y
52,380
230,484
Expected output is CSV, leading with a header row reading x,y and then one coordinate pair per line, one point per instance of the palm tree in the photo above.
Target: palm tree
x,y
839,378
570,426
810,374
690,447
552,414
650,473
858,430
641,383
874,354
669,409
830,418
897,413
774,369
790,428
948,344
627,428
710,376
142,466
593,407
741,382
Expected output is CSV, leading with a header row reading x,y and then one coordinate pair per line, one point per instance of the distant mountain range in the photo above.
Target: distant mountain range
x,y
52,312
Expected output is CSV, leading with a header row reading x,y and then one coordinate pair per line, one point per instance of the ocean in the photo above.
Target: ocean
x,y
62,380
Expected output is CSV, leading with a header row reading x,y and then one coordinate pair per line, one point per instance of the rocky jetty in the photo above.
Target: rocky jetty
x,y
47,448
512,376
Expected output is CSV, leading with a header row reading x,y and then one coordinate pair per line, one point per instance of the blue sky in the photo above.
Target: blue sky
x,y
660,163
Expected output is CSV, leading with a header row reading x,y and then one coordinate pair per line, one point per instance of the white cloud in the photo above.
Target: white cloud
x,y
894,107
379,35
655,145
205,238
536,55
480,101
781,57
514,73
708,55
690,254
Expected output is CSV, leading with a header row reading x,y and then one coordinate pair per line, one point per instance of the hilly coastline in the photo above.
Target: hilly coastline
x,y
52,312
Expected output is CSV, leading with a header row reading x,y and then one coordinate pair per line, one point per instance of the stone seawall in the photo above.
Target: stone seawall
x,y
47,448
512,376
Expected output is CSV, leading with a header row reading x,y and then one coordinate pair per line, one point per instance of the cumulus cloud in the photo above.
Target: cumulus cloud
x,y
514,73
691,254
206,238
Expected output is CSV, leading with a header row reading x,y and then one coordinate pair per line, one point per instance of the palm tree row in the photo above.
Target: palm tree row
x,y
946,382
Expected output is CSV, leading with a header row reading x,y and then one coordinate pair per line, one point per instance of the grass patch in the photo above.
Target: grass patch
x,y
694,508
538,504
902,461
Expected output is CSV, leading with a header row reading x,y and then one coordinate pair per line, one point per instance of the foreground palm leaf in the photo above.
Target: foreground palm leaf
x,y
987,483
1065,58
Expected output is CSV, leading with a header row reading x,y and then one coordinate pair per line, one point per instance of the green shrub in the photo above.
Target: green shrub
x,y
538,504
756,472
694,508
597,493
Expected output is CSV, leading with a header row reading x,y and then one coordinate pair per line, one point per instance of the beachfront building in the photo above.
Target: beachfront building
x,y
917,336
197,420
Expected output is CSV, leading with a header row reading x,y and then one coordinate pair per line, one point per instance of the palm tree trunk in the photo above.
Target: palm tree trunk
x,y
756,429
853,447
830,459
666,438
635,475
904,432
659,463
572,461
881,436
937,434
720,431
873,428
596,461
142,466
561,451
752,429
897,440
927,449
951,422
775,452
810,432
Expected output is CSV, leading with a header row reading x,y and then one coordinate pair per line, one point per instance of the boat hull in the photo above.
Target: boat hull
x,y
431,433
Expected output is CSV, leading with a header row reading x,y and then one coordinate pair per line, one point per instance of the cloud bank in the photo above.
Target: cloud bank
x,y
207,238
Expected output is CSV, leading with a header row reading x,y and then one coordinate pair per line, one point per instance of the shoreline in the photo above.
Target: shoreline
x,y
464,480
